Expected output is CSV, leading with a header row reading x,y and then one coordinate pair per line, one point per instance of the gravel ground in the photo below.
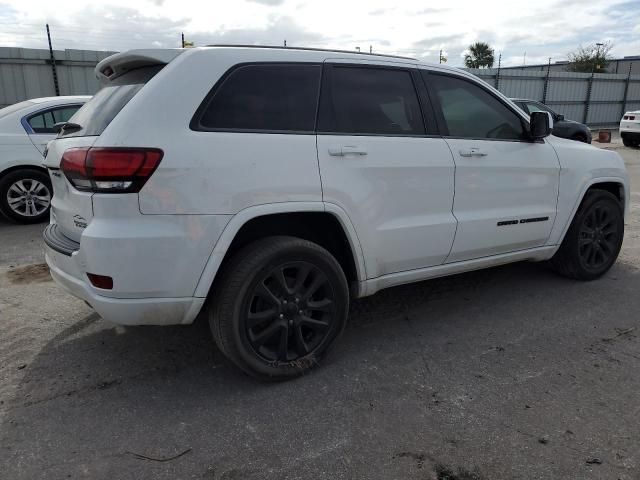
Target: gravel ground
x,y
508,373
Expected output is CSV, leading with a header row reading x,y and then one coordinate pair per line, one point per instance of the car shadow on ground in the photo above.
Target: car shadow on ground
x,y
110,386
93,355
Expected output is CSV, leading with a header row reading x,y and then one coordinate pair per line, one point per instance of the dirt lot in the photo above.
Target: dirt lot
x,y
509,373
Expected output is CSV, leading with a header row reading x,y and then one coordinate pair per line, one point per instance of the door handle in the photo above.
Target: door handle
x,y
347,150
472,152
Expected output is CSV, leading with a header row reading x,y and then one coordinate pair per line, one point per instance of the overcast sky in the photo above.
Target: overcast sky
x,y
541,28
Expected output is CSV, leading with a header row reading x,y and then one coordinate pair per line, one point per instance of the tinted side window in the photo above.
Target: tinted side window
x,y
471,112
276,97
43,122
377,101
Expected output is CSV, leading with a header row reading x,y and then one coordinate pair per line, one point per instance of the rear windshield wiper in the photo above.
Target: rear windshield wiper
x,y
66,126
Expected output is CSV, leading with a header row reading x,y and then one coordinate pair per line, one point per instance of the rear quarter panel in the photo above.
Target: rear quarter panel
x,y
17,150
210,172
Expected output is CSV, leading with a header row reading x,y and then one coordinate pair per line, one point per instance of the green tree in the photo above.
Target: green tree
x,y
480,55
590,59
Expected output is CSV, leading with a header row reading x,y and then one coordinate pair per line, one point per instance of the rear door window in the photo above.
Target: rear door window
x,y
43,122
103,107
263,98
370,101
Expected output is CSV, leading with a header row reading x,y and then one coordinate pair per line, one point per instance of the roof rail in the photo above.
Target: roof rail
x,y
280,47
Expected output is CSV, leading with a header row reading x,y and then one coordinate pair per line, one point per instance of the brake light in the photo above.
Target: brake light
x,y
632,117
110,170
626,117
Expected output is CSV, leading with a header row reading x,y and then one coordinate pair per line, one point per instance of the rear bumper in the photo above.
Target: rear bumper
x,y
630,134
67,272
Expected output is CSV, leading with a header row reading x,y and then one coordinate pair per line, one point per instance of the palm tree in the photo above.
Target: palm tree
x,y
480,55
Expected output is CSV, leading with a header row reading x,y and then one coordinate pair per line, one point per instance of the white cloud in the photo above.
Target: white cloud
x,y
546,28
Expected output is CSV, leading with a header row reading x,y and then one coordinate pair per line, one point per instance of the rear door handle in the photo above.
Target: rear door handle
x,y
347,150
472,152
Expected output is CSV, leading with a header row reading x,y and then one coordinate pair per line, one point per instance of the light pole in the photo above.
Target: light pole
x,y
597,58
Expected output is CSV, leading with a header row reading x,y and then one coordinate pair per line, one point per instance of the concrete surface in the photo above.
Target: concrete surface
x,y
509,373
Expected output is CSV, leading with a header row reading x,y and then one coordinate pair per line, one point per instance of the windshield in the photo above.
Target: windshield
x,y
98,112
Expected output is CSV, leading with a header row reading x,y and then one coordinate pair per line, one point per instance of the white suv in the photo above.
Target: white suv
x,y
630,129
269,186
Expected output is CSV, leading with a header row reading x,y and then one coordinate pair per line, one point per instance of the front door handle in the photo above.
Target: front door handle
x,y
472,152
347,150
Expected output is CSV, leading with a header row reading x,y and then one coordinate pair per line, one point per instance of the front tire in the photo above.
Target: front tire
x,y
593,242
25,195
278,306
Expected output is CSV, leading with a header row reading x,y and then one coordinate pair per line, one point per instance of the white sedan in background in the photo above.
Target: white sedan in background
x,y
25,129
630,129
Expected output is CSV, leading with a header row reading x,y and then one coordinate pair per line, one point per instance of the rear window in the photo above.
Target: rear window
x,y
98,112
264,98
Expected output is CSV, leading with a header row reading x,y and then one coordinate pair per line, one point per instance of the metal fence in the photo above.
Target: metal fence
x,y
599,100
27,73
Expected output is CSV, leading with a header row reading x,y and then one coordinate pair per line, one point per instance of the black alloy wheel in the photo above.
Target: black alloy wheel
x,y
593,241
599,237
278,306
289,312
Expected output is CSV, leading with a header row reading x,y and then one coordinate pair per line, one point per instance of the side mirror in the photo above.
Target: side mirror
x,y
540,125
559,117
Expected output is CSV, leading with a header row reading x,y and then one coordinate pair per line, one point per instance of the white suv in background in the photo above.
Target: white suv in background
x,y
630,129
25,129
269,186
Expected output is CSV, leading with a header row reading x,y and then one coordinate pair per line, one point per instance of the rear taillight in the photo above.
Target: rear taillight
x,y
632,117
110,170
626,117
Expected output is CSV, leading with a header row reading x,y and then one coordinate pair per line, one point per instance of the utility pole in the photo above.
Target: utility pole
x,y
182,39
498,72
524,59
546,82
53,63
626,91
440,57
370,48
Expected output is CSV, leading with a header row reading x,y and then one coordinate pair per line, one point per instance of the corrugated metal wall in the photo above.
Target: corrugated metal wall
x,y
597,100
26,73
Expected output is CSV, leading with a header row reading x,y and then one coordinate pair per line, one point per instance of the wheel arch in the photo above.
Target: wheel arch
x,y
22,166
325,224
614,185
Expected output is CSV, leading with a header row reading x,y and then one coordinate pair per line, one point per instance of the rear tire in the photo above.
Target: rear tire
x,y
593,241
25,195
278,306
626,142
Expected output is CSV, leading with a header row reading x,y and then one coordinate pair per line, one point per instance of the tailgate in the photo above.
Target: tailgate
x,y
71,209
